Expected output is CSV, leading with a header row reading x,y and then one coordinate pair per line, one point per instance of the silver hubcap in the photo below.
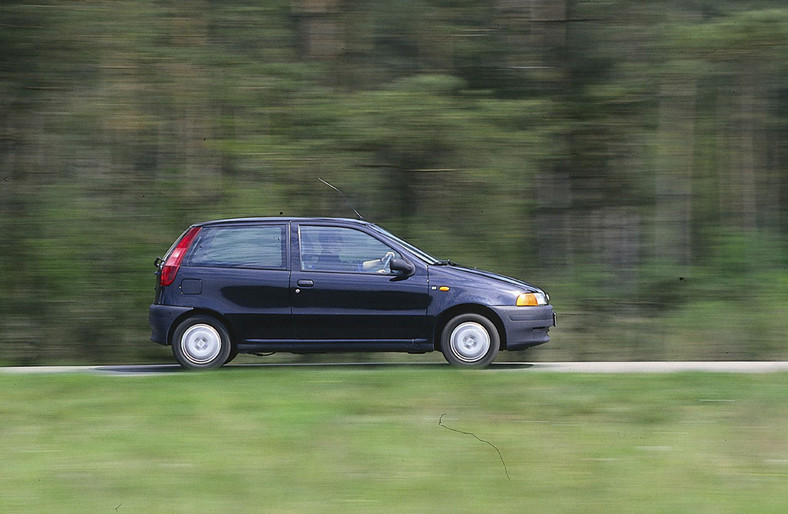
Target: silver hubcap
x,y
470,341
201,343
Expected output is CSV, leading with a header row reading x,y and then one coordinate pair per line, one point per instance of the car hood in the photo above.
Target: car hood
x,y
460,272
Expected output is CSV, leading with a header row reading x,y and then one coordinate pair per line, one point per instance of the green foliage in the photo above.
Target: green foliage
x,y
600,150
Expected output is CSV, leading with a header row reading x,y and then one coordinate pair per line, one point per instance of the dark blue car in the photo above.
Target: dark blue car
x,y
313,285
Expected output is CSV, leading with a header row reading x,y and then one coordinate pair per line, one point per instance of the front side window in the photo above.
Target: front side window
x,y
343,249
240,247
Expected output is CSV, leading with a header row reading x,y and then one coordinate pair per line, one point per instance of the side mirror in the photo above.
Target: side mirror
x,y
402,267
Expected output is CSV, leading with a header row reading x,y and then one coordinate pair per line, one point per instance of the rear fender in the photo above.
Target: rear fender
x,y
197,312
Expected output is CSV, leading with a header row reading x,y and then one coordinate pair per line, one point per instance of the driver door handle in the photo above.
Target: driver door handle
x,y
306,283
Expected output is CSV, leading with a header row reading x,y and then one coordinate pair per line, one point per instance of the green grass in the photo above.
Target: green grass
x,y
369,440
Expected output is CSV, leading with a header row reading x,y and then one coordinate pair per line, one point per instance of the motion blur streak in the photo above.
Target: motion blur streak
x,y
628,156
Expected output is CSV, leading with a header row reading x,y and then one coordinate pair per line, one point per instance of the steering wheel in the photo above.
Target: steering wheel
x,y
386,259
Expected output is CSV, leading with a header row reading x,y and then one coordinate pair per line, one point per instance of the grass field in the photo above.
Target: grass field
x,y
395,440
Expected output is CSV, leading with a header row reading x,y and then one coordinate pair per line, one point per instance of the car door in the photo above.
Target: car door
x,y
343,289
240,271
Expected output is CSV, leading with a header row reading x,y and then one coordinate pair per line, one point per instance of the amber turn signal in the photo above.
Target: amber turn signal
x,y
531,300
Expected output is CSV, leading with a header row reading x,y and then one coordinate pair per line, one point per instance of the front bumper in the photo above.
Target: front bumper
x,y
526,326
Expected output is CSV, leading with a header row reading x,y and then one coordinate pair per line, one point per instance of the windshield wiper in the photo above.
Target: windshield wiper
x,y
445,262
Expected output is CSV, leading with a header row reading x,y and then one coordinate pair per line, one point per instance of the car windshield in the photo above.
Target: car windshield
x,y
429,259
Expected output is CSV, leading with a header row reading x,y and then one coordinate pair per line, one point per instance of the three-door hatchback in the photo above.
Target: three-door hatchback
x,y
314,285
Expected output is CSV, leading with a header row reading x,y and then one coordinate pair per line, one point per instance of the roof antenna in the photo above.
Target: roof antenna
x,y
343,197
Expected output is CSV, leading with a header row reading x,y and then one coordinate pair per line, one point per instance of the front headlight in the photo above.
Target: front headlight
x,y
531,299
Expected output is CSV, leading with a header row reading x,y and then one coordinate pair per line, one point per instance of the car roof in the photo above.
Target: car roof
x,y
281,219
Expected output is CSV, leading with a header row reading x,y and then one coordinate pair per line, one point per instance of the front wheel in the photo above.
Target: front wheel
x,y
201,342
470,340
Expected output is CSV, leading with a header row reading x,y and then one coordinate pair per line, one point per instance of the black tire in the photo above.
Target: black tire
x,y
470,341
233,355
201,342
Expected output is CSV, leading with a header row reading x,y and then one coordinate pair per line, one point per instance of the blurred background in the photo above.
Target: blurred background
x,y
629,157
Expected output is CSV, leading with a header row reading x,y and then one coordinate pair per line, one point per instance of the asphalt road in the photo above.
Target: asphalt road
x,y
554,367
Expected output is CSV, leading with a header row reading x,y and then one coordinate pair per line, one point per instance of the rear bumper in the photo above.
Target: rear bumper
x,y
161,318
526,326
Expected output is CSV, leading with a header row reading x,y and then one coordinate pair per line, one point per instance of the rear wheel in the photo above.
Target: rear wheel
x,y
470,340
201,342
233,355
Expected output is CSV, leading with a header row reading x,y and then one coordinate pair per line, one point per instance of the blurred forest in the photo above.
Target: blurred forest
x,y
628,156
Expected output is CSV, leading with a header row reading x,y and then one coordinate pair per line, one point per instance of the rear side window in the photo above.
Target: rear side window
x,y
239,247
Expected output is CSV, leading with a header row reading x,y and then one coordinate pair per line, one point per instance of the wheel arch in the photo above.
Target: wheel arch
x,y
201,312
468,308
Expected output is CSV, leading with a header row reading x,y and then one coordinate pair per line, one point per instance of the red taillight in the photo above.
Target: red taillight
x,y
170,268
